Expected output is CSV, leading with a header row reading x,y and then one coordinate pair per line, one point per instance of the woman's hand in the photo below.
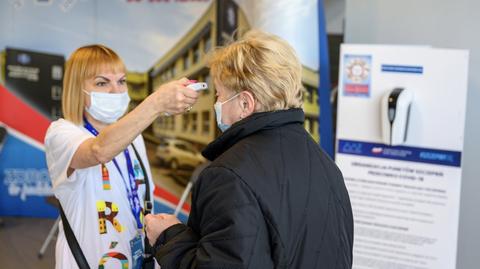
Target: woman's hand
x,y
156,224
174,97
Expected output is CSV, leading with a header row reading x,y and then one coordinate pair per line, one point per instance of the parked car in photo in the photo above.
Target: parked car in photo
x,y
178,155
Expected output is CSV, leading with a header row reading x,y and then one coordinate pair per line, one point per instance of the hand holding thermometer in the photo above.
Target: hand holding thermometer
x,y
199,86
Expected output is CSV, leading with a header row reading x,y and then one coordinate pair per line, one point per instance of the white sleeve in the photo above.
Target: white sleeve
x,y
61,142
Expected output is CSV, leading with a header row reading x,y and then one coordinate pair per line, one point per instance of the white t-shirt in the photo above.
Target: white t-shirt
x,y
94,199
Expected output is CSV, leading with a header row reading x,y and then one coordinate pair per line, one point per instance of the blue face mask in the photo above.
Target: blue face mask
x,y
218,113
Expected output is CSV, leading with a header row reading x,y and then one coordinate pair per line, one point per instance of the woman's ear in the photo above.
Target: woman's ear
x,y
247,104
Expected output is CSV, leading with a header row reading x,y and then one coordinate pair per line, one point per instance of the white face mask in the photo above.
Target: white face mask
x,y
107,107
218,113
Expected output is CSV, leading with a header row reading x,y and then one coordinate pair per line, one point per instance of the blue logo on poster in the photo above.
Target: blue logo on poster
x,y
435,156
403,153
410,69
24,58
352,147
357,75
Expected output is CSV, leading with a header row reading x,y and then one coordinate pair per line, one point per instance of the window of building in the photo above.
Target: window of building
x,y
207,42
311,124
194,122
156,81
196,54
160,123
309,93
185,122
166,75
166,123
206,122
172,123
172,71
186,61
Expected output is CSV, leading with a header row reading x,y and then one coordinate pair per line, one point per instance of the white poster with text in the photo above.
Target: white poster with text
x,y
400,129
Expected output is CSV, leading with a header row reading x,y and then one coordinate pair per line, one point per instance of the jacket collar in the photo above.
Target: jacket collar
x,y
250,125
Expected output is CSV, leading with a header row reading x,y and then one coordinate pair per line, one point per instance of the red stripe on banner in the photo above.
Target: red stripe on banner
x,y
20,116
160,192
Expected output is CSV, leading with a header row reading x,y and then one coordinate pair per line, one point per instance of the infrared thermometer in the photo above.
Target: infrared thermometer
x,y
199,86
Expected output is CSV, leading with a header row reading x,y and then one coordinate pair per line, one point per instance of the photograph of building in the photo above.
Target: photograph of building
x,y
222,21
137,87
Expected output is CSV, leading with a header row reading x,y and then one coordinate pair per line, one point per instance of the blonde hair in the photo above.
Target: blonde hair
x,y
83,64
263,64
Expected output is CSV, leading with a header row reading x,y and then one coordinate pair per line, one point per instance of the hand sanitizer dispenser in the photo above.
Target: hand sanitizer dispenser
x,y
395,109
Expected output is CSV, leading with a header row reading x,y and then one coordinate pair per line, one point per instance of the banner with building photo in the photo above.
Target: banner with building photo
x,y
158,41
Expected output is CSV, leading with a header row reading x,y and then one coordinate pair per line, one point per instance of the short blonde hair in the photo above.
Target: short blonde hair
x,y
83,64
263,64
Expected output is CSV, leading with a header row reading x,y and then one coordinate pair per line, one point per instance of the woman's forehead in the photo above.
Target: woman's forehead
x,y
104,69
109,73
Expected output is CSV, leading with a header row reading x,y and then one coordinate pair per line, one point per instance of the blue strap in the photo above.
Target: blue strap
x,y
130,187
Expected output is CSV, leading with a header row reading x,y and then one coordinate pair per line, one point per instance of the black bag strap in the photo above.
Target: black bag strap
x,y
72,242
148,261
147,208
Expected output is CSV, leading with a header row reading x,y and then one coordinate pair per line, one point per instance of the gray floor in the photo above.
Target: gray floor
x,y
20,241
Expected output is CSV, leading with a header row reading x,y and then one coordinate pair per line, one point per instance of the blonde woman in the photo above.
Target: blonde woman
x,y
271,198
95,171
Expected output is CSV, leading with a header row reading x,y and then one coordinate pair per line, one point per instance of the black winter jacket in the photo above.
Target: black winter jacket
x,y
271,198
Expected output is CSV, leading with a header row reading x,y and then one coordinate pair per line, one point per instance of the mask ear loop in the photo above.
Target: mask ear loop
x,y
230,99
87,93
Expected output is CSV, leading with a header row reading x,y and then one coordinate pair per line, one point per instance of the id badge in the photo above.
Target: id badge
x,y
137,170
136,246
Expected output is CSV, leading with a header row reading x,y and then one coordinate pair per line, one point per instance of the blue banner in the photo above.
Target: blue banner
x,y
325,87
402,69
24,180
402,153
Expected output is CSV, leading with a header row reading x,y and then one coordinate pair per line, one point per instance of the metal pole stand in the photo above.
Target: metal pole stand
x,y
193,179
49,238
